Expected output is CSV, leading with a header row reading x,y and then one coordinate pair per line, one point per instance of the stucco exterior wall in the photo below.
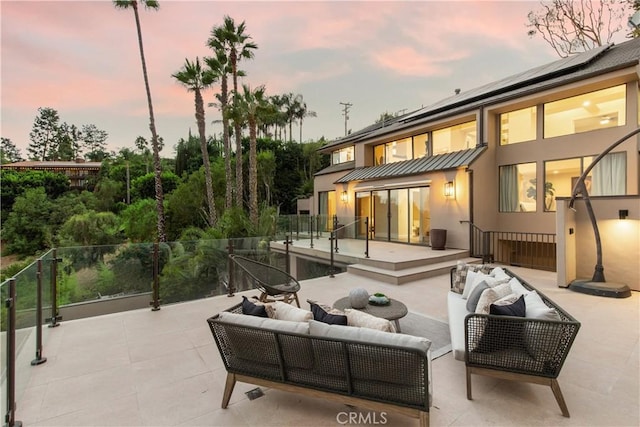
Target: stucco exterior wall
x,y
620,240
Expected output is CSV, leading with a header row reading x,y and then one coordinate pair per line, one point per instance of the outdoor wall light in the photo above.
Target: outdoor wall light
x,y
449,190
344,197
623,213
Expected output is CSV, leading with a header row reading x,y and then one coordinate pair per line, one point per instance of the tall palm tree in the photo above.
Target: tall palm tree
x,y
303,112
254,107
155,143
238,46
219,65
196,79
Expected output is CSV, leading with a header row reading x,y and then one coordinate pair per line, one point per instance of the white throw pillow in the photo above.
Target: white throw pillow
x,y
264,322
491,295
537,309
478,278
284,311
366,320
469,283
499,274
517,287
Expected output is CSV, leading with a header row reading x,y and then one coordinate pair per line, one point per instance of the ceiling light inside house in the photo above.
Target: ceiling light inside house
x,y
605,120
586,103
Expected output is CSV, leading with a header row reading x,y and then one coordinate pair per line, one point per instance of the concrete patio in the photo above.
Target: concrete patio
x,y
144,368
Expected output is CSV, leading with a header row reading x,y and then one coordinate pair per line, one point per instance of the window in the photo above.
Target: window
x,y
420,147
518,188
398,151
342,155
454,138
607,178
326,209
591,111
518,126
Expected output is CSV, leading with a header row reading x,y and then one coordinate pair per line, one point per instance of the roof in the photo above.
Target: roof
x,y
602,60
52,164
415,166
337,168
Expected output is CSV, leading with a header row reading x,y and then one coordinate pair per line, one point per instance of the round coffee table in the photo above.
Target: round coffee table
x,y
394,311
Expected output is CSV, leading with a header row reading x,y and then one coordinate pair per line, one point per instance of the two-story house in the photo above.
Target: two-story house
x,y
493,158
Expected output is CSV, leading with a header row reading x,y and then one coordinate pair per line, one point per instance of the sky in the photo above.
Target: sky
x,y
82,59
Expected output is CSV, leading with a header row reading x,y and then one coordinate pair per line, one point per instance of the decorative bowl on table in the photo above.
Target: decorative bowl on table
x,y
379,299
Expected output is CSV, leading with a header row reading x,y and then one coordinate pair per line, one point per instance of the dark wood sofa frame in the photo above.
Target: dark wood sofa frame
x,y
353,373
538,361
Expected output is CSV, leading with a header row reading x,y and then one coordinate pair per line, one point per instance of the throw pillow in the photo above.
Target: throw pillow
x,y
366,320
253,309
478,278
504,334
491,295
517,287
460,275
499,273
324,316
474,297
284,311
537,309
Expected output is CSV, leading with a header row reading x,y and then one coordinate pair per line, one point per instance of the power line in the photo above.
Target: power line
x,y
345,113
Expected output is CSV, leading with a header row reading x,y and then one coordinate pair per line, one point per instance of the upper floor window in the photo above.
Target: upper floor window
x,y
455,138
607,178
412,147
420,145
590,111
518,188
518,126
342,155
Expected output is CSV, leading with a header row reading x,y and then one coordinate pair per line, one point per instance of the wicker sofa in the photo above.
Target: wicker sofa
x,y
529,349
376,370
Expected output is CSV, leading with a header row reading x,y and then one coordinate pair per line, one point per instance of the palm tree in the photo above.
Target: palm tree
x,y
253,106
195,79
238,46
219,65
155,144
302,112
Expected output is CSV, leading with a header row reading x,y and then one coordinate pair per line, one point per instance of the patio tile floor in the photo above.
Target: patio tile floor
x,y
144,368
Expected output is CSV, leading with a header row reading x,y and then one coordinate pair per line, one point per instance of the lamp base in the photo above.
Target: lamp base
x,y
603,289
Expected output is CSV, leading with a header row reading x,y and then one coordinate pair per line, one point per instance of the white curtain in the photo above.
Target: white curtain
x,y
509,188
609,175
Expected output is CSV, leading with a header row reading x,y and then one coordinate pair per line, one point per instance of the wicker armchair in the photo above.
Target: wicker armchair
x,y
520,348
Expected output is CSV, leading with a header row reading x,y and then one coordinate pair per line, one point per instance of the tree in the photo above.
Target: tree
x,y
143,186
67,143
237,45
9,153
26,230
138,221
253,105
302,113
94,142
43,134
155,143
634,19
195,79
570,26
219,66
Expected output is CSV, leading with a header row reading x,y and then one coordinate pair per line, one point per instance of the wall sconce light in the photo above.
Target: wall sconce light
x,y
344,197
449,190
623,213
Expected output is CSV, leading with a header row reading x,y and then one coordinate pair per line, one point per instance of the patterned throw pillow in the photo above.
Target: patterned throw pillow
x,y
252,309
366,320
490,296
460,275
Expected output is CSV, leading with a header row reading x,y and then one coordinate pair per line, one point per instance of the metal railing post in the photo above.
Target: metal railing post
x,y
335,232
39,359
155,302
297,227
286,251
317,226
55,314
366,237
311,230
231,290
331,237
10,304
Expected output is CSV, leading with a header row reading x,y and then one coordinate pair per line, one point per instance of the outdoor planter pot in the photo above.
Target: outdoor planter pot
x,y
438,238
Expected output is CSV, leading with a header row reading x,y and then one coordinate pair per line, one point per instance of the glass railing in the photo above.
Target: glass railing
x,y
351,236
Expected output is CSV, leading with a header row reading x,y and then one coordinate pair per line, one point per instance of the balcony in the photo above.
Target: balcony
x,y
153,368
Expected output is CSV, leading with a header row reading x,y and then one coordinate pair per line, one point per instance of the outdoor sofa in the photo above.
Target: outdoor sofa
x,y
372,369
529,343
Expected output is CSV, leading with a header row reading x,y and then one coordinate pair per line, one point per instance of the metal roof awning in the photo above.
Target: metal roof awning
x,y
413,167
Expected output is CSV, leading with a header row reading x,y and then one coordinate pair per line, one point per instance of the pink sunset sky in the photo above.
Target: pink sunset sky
x,y
81,58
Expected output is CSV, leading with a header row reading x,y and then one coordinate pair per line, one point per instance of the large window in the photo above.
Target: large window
x,y
454,138
594,110
607,178
400,150
518,188
518,126
326,209
420,145
342,155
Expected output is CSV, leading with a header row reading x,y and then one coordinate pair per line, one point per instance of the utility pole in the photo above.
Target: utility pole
x,y
345,113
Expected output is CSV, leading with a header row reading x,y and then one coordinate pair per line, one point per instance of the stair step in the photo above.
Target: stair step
x,y
406,275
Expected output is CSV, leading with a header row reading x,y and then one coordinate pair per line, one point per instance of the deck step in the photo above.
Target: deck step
x,y
406,275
